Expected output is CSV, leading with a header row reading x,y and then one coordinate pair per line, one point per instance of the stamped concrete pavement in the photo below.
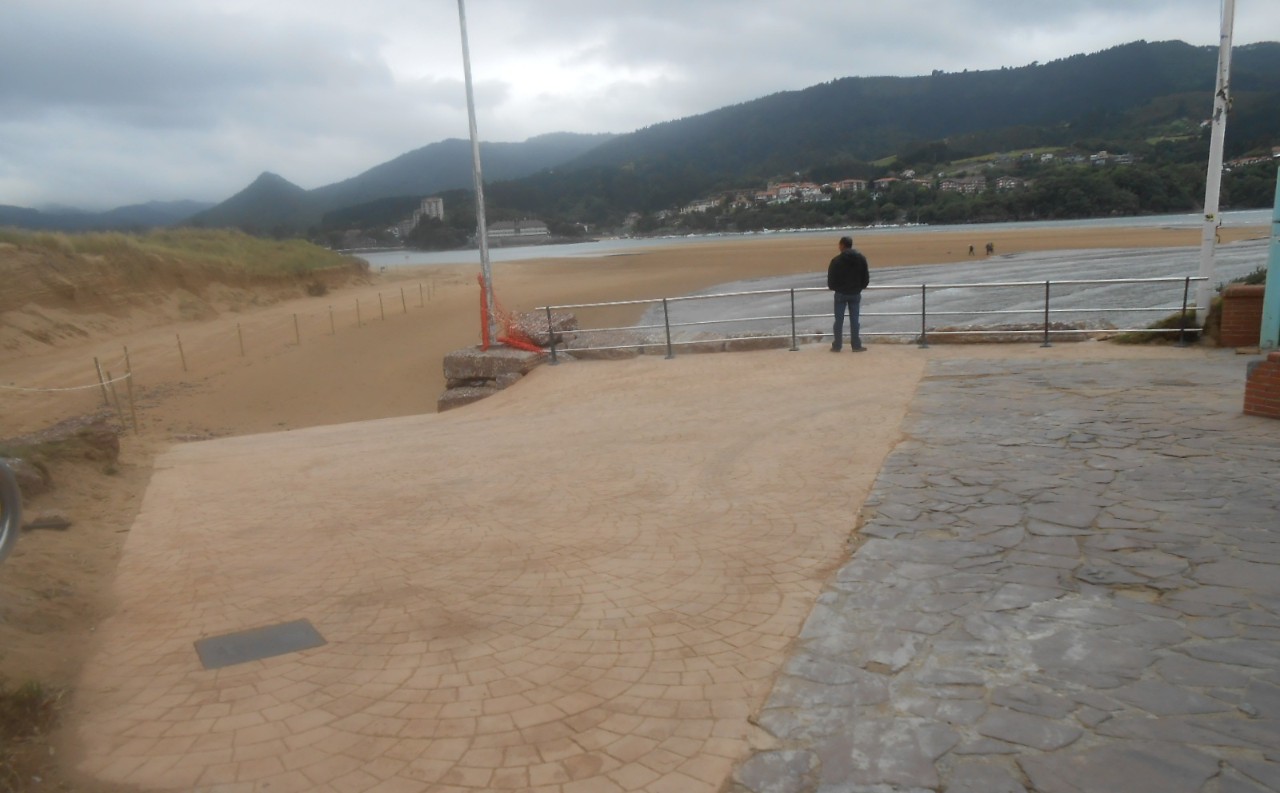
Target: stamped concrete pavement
x,y
1069,583
584,583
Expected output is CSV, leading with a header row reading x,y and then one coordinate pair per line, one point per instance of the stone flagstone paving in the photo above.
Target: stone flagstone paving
x,y
1070,583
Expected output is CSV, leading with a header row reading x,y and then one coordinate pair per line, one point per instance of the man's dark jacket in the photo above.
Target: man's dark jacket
x,y
848,273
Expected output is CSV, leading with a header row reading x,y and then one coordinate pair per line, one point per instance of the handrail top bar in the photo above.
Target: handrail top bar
x,y
886,287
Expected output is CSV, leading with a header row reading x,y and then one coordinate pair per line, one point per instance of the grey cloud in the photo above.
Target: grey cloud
x,y
111,103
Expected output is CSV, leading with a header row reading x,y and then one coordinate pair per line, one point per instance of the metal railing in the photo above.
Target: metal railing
x,y
1044,311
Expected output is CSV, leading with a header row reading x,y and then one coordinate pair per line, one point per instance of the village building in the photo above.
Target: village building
x,y
429,208
849,186
518,228
969,185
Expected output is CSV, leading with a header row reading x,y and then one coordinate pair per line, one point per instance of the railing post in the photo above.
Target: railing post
x,y
551,335
794,347
1182,318
666,320
1046,315
924,333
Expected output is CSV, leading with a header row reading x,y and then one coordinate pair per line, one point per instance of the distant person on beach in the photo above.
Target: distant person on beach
x,y
970,250
991,248
847,276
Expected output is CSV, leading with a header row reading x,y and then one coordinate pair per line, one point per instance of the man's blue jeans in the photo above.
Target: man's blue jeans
x,y
854,304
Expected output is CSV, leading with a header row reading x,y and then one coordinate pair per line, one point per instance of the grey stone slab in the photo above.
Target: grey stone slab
x,y
1264,698
1259,733
1006,537
1078,651
1163,699
1189,731
1266,774
999,516
1056,546
966,582
982,777
1027,730
889,752
950,676
950,711
1032,699
804,726
1152,634
1240,652
1129,767
777,772
794,692
985,747
1180,670
1232,781
929,624
1044,560
1251,576
1090,607
827,671
1212,628
1116,541
1104,574
1070,515
1018,596
1041,577
1042,528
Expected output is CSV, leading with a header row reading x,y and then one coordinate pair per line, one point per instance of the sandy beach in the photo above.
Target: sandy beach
x,y
311,361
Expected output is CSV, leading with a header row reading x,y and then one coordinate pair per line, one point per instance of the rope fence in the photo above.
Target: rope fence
x,y
115,381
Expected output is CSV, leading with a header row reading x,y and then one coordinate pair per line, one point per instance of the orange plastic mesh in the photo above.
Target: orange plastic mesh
x,y
509,331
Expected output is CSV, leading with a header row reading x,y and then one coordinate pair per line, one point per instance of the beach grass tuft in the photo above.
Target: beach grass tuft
x,y
218,249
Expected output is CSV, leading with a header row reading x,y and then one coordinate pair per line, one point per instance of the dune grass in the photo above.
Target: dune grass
x,y
219,249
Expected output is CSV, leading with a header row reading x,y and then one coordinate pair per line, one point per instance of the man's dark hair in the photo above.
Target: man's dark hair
x,y
846,242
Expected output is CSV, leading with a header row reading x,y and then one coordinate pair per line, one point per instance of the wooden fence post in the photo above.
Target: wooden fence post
x,y
133,407
102,381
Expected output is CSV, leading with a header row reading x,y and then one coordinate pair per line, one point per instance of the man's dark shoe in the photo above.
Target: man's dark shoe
x,y
858,349
834,348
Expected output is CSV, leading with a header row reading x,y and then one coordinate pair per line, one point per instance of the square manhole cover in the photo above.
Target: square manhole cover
x,y
257,643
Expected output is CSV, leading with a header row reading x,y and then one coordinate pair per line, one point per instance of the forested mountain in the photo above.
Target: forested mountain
x,y
273,205
132,217
1125,96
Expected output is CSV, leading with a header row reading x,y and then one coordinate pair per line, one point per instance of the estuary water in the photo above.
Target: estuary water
x,y
623,245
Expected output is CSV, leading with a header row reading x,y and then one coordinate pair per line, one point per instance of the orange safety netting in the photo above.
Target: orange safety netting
x,y
510,333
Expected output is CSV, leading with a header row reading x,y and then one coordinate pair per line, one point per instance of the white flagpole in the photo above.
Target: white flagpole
x,y
1213,180
482,234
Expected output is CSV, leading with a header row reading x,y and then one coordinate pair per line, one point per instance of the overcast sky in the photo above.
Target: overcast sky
x,y
104,104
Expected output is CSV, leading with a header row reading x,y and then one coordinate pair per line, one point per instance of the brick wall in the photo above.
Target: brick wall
x,y
1262,391
1241,315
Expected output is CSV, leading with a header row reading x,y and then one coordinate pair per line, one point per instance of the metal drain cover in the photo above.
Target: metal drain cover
x,y
257,643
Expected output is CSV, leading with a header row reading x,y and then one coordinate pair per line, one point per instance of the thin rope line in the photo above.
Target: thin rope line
x,y
72,388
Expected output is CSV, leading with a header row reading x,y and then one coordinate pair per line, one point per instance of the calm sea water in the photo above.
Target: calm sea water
x,y
615,247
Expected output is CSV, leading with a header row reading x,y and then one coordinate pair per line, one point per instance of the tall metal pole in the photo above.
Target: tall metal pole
x,y
1213,180
482,237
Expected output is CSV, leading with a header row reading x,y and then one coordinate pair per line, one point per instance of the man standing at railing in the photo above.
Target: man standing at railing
x,y
847,276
